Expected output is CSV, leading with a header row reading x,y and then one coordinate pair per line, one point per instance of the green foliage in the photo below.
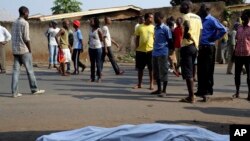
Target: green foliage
x,y
228,2
66,6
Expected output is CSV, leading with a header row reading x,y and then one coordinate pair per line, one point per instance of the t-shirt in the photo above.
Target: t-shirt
x,y
194,29
162,36
106,35
178,35
146,34
77,39
52,34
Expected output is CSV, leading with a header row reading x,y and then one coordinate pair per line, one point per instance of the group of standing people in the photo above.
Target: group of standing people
x,y
100,43
194,39
195,35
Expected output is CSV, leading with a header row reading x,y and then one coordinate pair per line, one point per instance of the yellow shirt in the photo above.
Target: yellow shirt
x,y
64,39
194,30
146,33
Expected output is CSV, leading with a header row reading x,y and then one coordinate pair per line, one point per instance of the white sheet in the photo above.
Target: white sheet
x,y
144,132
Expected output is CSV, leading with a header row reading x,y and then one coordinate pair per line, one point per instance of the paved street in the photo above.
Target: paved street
x,y
73,102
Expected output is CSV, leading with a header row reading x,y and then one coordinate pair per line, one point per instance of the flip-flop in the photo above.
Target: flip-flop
x,y
187,100
137,87
236,96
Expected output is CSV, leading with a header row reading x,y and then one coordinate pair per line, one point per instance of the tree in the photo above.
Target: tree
x,y
228,2
66,6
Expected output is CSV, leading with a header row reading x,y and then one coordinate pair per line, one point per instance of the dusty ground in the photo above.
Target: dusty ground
x,y
73,102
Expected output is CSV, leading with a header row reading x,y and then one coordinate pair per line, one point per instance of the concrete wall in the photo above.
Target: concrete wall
x,y
120,31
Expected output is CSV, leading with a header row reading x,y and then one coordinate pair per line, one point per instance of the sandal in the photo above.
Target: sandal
x,y
157,92
236,96
188,100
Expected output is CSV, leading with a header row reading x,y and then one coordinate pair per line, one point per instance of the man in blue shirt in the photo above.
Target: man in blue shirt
x,y
212,31
162,44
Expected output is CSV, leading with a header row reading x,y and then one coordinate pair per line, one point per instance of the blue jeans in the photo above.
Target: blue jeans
x,y
95,56
26,60
53,51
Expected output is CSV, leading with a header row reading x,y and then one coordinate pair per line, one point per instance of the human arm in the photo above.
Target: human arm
x,y
221,30
61,32
26,36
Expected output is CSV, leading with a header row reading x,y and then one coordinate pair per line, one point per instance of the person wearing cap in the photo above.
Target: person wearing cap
x,y
52,44
77,47
107,51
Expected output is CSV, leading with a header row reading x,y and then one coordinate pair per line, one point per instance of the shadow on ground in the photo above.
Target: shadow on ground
x,y
23,135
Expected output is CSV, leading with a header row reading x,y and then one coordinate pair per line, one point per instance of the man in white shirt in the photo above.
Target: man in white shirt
x,y
107,43
52,44
4,38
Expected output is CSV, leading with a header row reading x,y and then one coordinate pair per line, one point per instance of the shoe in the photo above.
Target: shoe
x,y
49,67
39,92
17,95
229,73
188,100
157,92
83,68
121,73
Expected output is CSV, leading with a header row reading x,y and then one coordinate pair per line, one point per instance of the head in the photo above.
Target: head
x,y
148,18
225,23
245,16
108,20
204,10
65,24
179,21
76,24
158,18
54,24
24,12
185,6
170,22
95,23
141,20
236,25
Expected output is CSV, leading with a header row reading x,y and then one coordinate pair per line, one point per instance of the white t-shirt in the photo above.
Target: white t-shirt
x,y
4,34
94,40
52,34
106,35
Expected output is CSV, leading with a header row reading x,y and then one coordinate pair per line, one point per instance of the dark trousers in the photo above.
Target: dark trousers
x,y
111,59
95,56
76,60
205,70
239,62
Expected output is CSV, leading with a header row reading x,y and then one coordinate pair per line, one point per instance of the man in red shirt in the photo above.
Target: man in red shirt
x,y
178,35
242,52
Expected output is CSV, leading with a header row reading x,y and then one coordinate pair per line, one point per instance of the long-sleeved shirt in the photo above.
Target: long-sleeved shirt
x,y
20,35
212,30
4,34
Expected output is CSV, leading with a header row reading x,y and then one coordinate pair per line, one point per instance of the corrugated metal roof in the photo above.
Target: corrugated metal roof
x,y
239,7
86,13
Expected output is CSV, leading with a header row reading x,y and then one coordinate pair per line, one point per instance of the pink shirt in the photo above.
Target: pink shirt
x,y
243,41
